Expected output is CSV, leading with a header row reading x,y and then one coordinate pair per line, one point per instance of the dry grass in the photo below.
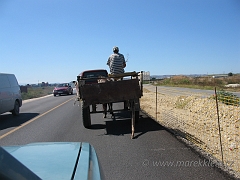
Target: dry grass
x,y
202,82
35,92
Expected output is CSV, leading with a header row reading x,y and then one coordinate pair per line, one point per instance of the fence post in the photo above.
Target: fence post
x,y
220,136
156,103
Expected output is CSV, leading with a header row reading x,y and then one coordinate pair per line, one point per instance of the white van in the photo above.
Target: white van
x,y
10,94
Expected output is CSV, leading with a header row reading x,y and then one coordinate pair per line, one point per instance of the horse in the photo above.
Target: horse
x,y
102,79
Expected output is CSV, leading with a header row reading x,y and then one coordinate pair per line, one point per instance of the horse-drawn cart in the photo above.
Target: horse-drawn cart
x,y
126,87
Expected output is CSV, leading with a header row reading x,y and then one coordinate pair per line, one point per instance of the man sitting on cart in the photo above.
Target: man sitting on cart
x,y
116,62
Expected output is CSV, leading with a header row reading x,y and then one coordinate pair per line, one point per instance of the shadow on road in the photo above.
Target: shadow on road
x,y
121,125
8,120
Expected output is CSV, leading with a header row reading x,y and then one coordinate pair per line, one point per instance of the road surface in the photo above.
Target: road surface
x,y
155,154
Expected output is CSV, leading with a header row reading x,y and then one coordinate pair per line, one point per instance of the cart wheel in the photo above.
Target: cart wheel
x,y
86,117
136,116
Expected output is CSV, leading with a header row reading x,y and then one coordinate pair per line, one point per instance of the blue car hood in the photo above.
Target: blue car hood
x,y
53,160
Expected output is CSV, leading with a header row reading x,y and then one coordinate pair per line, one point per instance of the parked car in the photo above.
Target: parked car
x,y
10,94
64,88
51,160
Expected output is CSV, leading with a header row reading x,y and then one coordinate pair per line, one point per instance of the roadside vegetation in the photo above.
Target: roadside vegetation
x,y
228,98
207,82
35,92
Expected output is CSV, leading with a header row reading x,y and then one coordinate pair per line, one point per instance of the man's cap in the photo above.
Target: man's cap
x,y
115,49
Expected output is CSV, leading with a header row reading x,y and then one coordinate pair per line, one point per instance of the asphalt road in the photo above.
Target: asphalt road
x,y
153,154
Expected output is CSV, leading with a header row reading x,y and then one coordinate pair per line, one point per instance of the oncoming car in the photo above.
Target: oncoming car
x,y
64,88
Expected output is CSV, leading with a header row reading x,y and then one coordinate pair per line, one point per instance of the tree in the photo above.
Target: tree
x,y
230,74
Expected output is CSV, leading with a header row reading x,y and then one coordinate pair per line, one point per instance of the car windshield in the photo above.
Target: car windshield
x,y
62,85
94,74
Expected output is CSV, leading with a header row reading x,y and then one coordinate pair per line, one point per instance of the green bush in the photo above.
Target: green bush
x,y
228,98
184,81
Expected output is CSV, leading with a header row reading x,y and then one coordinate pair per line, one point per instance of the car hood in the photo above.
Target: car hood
x,y
60,88
55,160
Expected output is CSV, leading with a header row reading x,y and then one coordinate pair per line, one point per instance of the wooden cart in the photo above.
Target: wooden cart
x,y
127,90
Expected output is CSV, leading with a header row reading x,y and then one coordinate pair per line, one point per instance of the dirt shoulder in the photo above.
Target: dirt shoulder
x,y
194,116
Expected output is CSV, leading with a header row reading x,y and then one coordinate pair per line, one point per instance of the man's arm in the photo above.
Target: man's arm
x,y
108,62
124,62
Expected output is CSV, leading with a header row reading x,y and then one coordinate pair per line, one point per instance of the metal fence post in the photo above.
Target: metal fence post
x,y
220,136
156,103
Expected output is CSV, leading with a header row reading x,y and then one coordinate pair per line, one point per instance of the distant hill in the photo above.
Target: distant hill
x,y
168,76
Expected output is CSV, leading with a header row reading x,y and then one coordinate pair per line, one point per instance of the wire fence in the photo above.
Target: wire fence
x,y
210,121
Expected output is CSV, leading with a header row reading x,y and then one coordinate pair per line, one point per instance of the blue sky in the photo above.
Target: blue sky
x,y
54,40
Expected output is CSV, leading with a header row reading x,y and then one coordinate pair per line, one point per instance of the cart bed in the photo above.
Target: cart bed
x,y
110,92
